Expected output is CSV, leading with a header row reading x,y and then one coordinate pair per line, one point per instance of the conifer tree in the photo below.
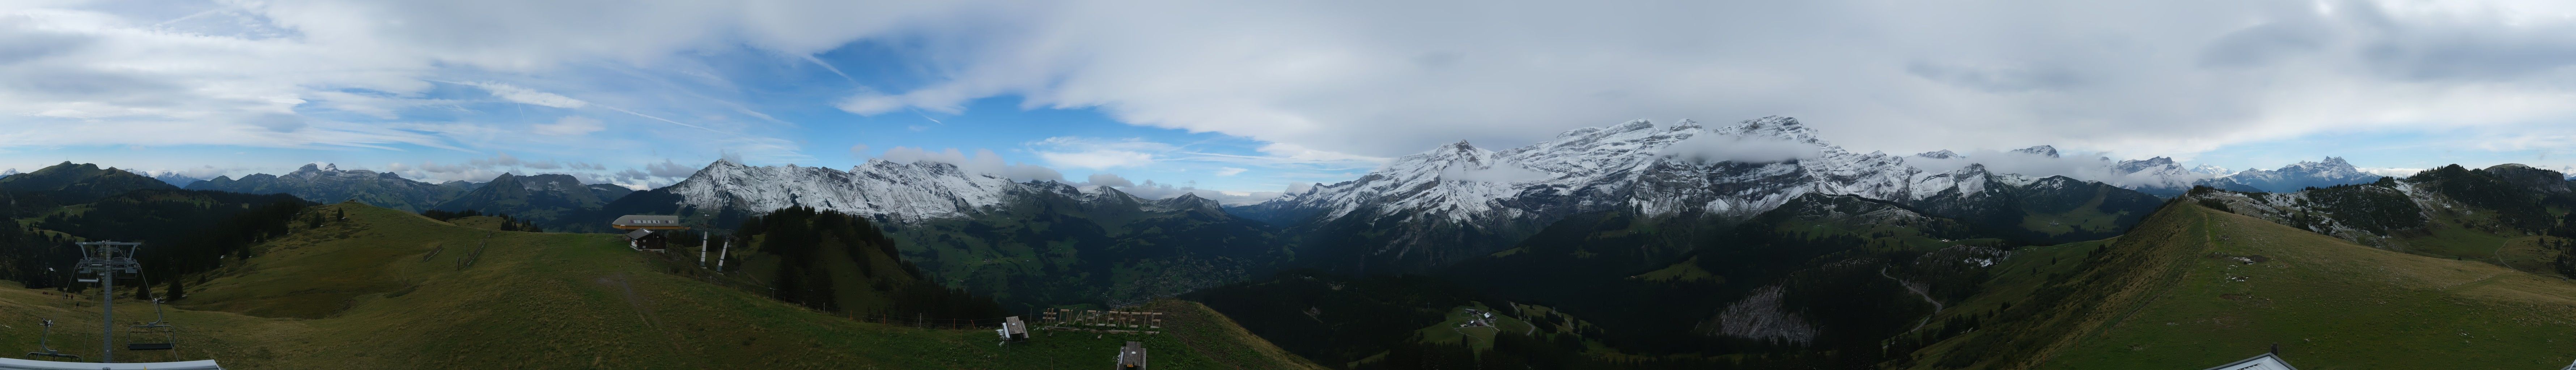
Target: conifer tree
x,y
176,291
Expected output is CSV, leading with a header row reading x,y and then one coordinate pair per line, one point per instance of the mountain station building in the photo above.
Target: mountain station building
x,y
648,232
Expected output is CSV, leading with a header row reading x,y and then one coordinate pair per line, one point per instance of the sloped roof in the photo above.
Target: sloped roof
x,y
648,222
2265,361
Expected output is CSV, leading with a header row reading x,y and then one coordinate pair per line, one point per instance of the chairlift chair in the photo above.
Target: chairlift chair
x,y
46,349
160,325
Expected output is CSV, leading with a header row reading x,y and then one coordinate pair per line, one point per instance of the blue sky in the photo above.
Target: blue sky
x,y
1249,98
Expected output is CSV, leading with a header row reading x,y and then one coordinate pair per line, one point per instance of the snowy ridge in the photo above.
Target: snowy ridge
x,y
905,192
2158,172
899,192
2329,172
1460,201
1631,165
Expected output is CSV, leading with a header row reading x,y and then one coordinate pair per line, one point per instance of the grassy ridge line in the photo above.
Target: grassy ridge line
x,y
2332,304
2149,265
2197,287
2166,278
1219,338
356,294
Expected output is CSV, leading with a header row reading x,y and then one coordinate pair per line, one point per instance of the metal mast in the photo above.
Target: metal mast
x,y
106,259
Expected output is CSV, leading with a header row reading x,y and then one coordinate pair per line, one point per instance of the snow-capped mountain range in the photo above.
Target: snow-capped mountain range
x,y
1731,171
2329,172
900,192
1590,168
1660,170
1459,200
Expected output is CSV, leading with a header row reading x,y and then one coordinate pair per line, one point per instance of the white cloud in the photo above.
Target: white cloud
x,y
2391,172
860,150
2081,166
668,169
2144,77
1300,153
1728,148
570,126
983,160
200,172
1109,180
1097,159
1229,171
1324,82
484,169
431,171
1099,153
1153,190
526,96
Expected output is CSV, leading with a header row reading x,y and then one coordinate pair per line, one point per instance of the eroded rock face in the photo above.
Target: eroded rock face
x,y
1762,316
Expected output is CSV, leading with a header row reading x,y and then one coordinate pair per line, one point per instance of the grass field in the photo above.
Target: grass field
x,y
2195,288
359,294
479,222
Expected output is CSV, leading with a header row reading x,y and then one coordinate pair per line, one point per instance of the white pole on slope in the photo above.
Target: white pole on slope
x,y
721,253
702,249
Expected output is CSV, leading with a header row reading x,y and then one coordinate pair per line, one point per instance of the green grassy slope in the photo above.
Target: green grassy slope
x,y
2491,214
479,222
359,294
2179,292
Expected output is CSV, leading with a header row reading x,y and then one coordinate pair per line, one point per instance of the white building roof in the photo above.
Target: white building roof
x,y
648,221
2266,361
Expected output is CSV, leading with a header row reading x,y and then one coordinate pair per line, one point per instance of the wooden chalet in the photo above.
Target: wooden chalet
x,y
648,240
1132,357
1013,329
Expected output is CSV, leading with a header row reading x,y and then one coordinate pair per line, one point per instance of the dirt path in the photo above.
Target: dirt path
x,y
643,307
1918,292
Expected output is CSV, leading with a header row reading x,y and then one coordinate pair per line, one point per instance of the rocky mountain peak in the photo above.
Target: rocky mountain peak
x,y
1774,127
2043,150
317,167
1188,202
2210,170
2149,164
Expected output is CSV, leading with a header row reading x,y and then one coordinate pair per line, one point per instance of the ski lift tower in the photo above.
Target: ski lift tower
x,y
107,259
